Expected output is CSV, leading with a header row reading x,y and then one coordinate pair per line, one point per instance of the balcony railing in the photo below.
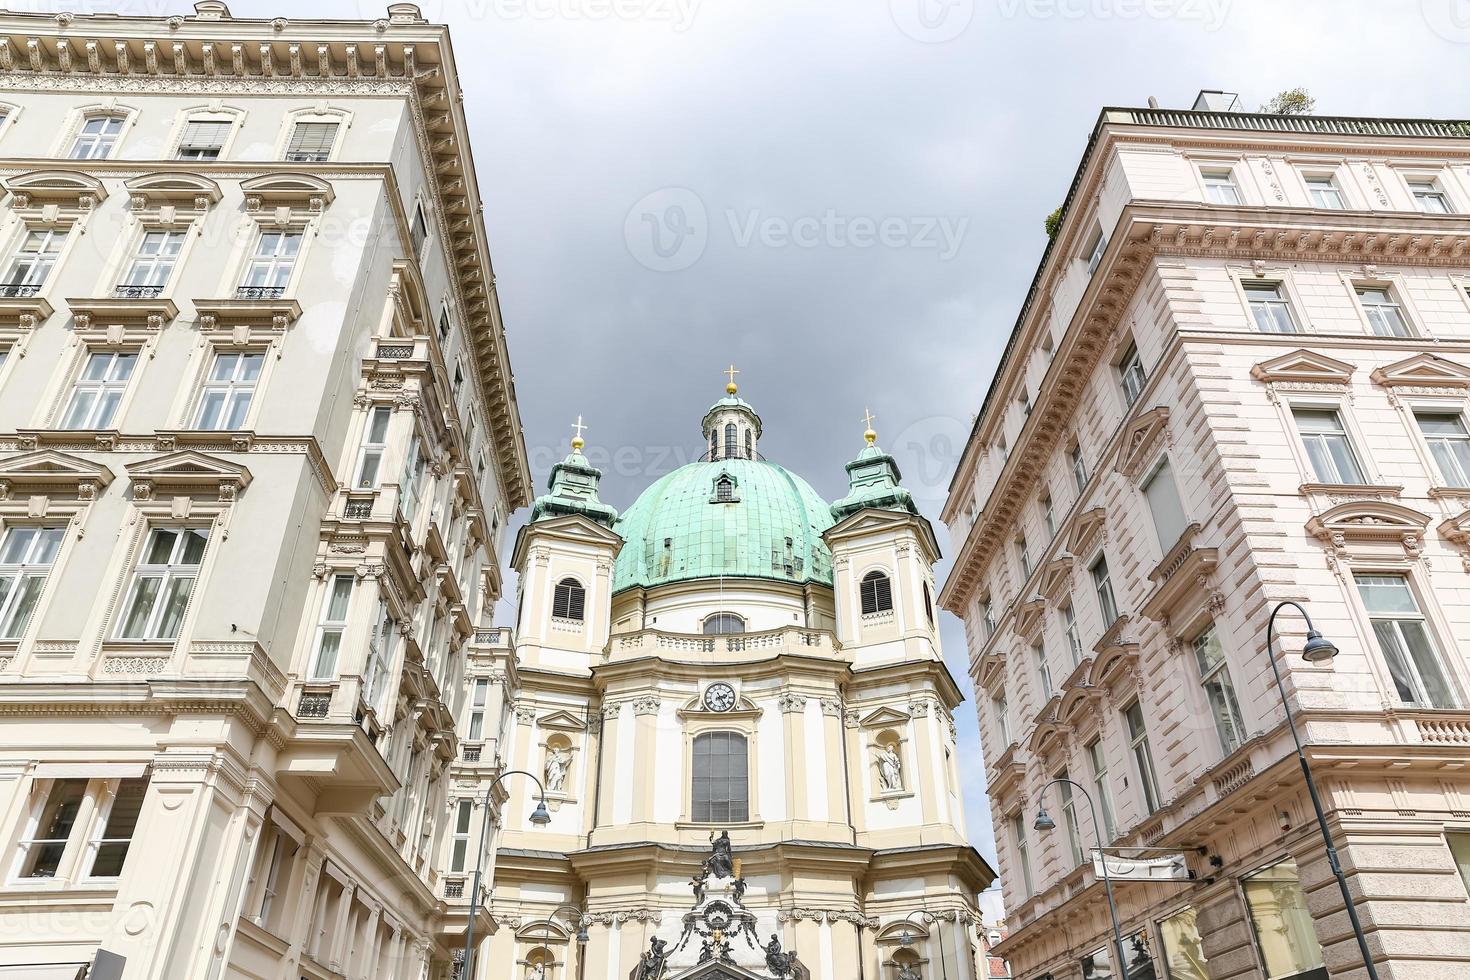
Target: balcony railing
x,y
388,352
815,642
454,888
471,753
358,510
314,704
260,292
19,290
137,292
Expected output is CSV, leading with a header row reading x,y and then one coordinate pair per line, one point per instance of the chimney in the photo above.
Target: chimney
x,y
1213,100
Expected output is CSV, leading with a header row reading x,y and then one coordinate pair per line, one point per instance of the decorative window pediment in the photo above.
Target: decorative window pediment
x,y
291,192
167,197
1185,575
49,471
1304,366
1050,733
1029,617
246,321
1423,371
1089,529
884,717
114,320
186,473
1075,704
562,720
1457,531
992,672
1056,577
1365,526
70,191
1116,666
1141,444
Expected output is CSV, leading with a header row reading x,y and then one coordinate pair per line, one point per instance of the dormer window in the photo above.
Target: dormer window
x,y
569,600
724,490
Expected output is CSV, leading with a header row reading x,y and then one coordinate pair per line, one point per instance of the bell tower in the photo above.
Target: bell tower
x,y
732,429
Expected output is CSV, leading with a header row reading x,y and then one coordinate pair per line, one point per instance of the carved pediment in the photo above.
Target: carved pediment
x,y
992,672
1056,577
1304,366
1074,704
1089,526
1423,370
561,719
1185,573
1029,616
287,190
885,717
1116,665
187,472
70,190
1370,522
1049,733
180,191
1145,435
47,469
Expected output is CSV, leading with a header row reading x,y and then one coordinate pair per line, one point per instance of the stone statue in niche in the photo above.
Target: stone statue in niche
x,y
908,971
890,769
558,762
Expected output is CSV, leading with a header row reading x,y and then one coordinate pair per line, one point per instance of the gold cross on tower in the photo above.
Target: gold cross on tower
x,y
731,372
577,441
868,419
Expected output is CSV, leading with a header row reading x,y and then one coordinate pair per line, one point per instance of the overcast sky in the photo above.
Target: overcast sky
x,y
844,198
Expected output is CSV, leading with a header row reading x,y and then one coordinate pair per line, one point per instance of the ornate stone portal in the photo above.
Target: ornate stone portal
x,y
719,940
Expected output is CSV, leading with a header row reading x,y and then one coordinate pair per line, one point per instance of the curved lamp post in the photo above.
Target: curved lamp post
x,y
906,938
1316,650
1044,823
539,817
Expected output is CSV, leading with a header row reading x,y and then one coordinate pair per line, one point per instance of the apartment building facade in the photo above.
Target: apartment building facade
x,y
258,444
1241,376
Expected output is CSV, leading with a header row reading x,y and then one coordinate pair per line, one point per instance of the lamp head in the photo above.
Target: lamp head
x,y
1044,821
1318,649
539,816
582,936
905,938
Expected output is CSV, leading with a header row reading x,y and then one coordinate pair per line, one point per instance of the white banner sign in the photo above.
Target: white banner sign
x,y
1170,867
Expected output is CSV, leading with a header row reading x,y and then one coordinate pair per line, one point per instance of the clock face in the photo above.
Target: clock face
x,y
719,697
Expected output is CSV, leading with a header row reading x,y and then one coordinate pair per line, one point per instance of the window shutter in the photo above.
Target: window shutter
x,y
311,142
204,134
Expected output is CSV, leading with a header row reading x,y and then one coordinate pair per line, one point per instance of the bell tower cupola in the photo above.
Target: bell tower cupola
x,y
732,429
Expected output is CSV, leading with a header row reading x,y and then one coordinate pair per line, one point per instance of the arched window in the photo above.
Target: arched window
x,y
731,446
720,778
721,624
714,444
569,601
724,489
928,604
749,445
876,593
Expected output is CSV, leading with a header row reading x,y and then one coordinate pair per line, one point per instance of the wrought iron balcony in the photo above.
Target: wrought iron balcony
x,y
395,351
314,704
358,510
260,292
19,290
137,292
471,753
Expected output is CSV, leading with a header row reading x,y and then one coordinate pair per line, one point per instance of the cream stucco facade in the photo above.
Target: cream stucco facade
x,y
1242,376
258,444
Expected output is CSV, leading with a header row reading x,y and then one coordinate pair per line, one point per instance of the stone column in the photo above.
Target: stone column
x,y
644,755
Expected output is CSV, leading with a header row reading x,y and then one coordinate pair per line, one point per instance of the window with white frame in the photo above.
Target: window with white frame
x,y
380,650
162,583
419,233
987,616
203,139
720,792
1404,640
26,556
1385,316
271,264
568,600
1220,186
1102,584
444,325
311,142
331,627
1162,495
374,446
32,261
1096,246
1449,444
1079,467
1328,446
1269,306
1023,552
99,389
108,848
479,696
1048,515
1003,718
1043,669
1023,853
152,263
228,390
1131,373
1429,197
283,849
1069,816
1324,192
410,481
97,137
1143,758
102,841
1219,691
1069,627
1099,761
460,848
875,593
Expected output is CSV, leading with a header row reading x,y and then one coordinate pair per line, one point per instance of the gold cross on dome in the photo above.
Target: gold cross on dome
x,y
730,372
577,440
868,419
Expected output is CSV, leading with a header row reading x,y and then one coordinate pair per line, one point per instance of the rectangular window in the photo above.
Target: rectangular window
x,y
1326,441
311,142
162,583
987,616
228,391
443,326
1449,444
1219,691
380,650
1043,672
1130,370
152,264
333,624
1003,719
97,138
99,390
203,139
270,266
1164,506
419,233
42,849
1023,552
1098,965
1220,187
1460,850
1403,639
283,850
1069,626
1142,756
1385,317
1102,582
460,849
1324,192
1429,197
411,480
1100,783
1048,515
1269,307
1079,467
1095,249
110,849
720,778
374,445
1069,816
32,261
1184,951
1283,925
1023,853
26,555
479,694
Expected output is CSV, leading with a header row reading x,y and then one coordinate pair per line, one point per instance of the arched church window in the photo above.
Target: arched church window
x,y
720,791
928,604
749,445
731,446
569,601
724,489
722,624
876,593
714,444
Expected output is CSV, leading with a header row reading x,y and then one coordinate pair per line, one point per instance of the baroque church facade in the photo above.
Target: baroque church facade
x,y
731,663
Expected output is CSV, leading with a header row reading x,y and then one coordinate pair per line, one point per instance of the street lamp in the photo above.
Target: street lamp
x,y
1317,650
906,938
540,817
1044,822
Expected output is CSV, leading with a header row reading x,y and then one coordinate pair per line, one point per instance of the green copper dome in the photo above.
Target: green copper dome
x,y
682,527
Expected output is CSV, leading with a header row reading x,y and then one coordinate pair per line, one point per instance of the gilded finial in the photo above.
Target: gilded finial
x,y
731,387
577,441
868,419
